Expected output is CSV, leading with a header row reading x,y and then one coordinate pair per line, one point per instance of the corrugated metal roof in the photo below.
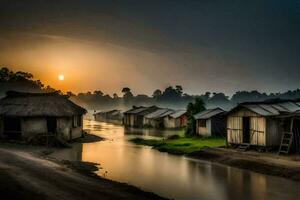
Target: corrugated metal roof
x,y
178,113
272,109
290,106
206,114
135,110
159,113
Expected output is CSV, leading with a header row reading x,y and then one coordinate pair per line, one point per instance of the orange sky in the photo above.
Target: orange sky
x,y
86,66
215,46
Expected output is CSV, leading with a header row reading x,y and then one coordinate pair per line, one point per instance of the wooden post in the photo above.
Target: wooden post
x,y
292,123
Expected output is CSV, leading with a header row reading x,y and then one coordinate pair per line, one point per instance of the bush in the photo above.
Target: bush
x,y
173,137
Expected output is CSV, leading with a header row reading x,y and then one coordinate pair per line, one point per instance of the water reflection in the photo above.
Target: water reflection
x,y
171,176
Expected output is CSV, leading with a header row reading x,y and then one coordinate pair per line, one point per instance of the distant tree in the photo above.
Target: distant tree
x,y
70,94
246,96
49,89
5,74
170,94
127,96
179,89
192,109
156,94
126,90
98,93
20,81
206,96
115,96
127,93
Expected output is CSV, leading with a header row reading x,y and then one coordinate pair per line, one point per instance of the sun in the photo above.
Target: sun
x,y
61,77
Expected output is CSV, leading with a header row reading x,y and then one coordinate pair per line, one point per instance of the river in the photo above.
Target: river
x,y
171,176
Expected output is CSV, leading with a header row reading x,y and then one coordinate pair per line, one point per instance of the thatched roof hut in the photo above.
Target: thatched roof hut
x,y
27,114
17,104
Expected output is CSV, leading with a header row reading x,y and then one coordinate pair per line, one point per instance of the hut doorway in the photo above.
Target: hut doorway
x,y
246,130
51,125
12,127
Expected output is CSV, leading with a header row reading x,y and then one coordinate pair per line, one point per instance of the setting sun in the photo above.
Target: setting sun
x,y
61,77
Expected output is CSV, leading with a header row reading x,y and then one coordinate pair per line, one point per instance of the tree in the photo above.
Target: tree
x,y
98,93
178,89
127,93
115,96
157,93
69,94
126,90
192,109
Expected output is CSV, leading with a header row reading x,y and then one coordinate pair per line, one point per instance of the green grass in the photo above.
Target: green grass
x,y
182,145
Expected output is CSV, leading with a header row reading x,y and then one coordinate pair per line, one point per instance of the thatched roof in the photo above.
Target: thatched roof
x,y
17,104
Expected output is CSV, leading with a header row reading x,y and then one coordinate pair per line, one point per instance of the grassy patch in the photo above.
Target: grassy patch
x,y
181,145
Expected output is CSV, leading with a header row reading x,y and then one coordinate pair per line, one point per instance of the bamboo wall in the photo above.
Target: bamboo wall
x,y
235,127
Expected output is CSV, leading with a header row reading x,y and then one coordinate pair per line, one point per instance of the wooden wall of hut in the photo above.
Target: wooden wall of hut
x,y
257,128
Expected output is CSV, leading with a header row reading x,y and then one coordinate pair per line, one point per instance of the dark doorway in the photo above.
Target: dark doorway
x,y
12,127
246,129
51,125
295,148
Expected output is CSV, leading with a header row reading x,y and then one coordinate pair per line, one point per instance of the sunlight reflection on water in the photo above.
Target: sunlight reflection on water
x,y
172,176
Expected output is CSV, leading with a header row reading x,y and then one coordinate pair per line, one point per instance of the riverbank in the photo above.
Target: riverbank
x,y
180,145
27,173
265,163
210,149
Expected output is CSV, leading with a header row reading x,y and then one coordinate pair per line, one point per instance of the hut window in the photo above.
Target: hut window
x,y
76,121
79,120
202,123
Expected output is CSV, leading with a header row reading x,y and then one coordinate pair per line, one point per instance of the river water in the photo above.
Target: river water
x,y
171,176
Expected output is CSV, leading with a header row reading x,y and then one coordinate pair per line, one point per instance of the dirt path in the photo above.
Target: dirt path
x,y
26,176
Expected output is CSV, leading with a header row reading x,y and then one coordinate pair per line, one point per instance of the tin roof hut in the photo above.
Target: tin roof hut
x,y
156,118
109,116
176,119
211,122
135,116
24,115
265,124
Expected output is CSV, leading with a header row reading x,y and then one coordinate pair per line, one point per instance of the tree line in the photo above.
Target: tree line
x,y
172,96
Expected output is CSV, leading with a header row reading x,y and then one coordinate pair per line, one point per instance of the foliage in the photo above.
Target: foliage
x,y
181,145
192,109
21,81
171,97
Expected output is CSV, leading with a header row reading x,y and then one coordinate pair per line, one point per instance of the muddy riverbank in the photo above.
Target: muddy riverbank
x,y
265,163
26,173
207,149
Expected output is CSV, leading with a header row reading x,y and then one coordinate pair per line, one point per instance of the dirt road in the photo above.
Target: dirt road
x,y
26,176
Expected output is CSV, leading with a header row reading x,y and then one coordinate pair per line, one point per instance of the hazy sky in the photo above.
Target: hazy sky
x,y
215,45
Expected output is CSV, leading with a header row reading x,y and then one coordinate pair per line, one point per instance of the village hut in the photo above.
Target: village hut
x,y
265,124
211,123
135,116
109,116
156,118
176,119
25,115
